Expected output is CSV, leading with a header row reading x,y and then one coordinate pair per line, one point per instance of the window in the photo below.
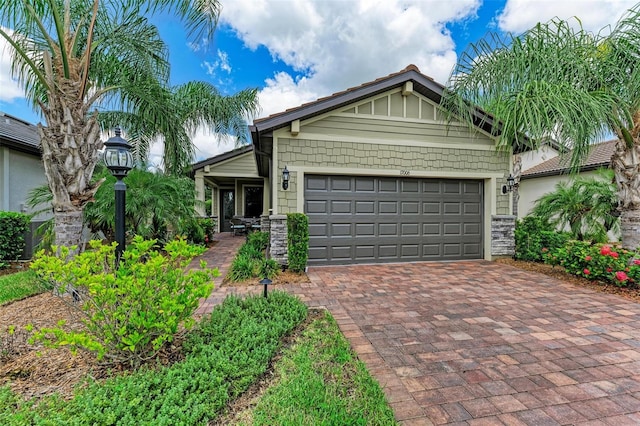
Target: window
x,y
253,201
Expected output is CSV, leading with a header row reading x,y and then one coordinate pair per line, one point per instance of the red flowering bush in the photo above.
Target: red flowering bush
x,y
601,262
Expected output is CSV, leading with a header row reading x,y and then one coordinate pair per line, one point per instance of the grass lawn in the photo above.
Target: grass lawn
x,y
18,286
320,381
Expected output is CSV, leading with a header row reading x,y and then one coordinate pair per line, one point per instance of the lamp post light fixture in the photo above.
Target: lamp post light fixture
x,y
285,178
118,159
509,187
265,282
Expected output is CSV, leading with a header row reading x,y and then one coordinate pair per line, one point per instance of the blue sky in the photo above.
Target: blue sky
x,y
295,51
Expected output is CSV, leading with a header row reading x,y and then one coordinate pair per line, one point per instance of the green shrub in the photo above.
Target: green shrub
x,y
132,310
12,229
298,241
243,267
601,262
259,240
534,237
269,268
251,251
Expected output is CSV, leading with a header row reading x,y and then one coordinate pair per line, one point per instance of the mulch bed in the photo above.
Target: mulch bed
x,y
285,277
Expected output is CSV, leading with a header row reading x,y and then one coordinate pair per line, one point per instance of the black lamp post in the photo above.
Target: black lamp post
x,y
119,161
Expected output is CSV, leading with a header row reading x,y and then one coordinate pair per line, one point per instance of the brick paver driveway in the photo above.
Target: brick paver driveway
x,y
485,343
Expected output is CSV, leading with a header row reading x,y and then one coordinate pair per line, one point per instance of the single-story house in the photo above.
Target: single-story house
x,y
21,169
380,174
542,178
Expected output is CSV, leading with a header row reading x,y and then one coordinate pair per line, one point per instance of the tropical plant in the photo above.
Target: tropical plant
x,y
74,57
559,80
584,206
158,206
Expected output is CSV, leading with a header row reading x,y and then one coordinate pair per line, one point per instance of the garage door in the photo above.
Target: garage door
x,y
361,219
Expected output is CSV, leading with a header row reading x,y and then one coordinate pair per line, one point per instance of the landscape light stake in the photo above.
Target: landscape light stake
x,y
265,282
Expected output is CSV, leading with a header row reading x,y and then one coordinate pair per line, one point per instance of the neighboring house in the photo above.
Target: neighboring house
x,y
21,168
543,177
380,174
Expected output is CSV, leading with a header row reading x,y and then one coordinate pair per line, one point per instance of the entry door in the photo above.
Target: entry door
x,y
227,201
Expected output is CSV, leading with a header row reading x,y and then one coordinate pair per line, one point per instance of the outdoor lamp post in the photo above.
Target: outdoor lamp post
x,y
119,161
285,178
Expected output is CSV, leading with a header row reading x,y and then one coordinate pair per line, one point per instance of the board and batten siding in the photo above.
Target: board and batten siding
x,y
242,166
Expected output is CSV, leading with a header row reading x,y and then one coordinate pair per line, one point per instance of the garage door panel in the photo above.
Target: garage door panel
x,y
341,229
388,185
365,252
318,229
365,229
388,229
409,207
365,184
373,219
451,208
341,184
388,251
365,207
431,207
388,207
409,229
316,207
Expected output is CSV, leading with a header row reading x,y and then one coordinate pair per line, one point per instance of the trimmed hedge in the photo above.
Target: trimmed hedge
x,y
298,241
12,228
534,238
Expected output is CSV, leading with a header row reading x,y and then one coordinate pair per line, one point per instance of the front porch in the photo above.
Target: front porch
x,y
232,184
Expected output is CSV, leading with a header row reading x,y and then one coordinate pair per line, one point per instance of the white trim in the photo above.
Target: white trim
x,y
394,172
490,206
275,172
234,175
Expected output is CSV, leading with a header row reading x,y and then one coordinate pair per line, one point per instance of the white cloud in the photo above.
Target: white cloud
x,y
520,15
11,90
341,44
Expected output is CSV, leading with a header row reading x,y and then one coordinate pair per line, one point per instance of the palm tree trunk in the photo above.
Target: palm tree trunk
x,y
626,167
70,144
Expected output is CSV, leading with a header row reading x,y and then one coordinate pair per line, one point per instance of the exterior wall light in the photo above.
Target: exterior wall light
x,y
510,186
285,178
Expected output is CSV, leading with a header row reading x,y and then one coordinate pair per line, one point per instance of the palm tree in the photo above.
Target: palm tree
x,y
73,57
177,114
569,84
586,206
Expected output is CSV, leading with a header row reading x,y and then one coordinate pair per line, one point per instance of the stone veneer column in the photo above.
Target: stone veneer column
x,y
503,241
264,223
278,235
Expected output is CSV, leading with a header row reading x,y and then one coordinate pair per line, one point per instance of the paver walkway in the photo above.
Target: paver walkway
x,y
484,343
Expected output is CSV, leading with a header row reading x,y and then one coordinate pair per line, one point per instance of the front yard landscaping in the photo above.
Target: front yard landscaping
x,y
251,361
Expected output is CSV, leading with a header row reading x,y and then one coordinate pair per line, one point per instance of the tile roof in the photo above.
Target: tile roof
x,y
600,156
18,133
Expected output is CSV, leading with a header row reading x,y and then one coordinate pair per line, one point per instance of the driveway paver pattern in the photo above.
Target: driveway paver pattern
x,y
483,343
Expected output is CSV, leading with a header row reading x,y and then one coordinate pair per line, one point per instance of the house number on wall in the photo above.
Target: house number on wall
x,y
405,172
